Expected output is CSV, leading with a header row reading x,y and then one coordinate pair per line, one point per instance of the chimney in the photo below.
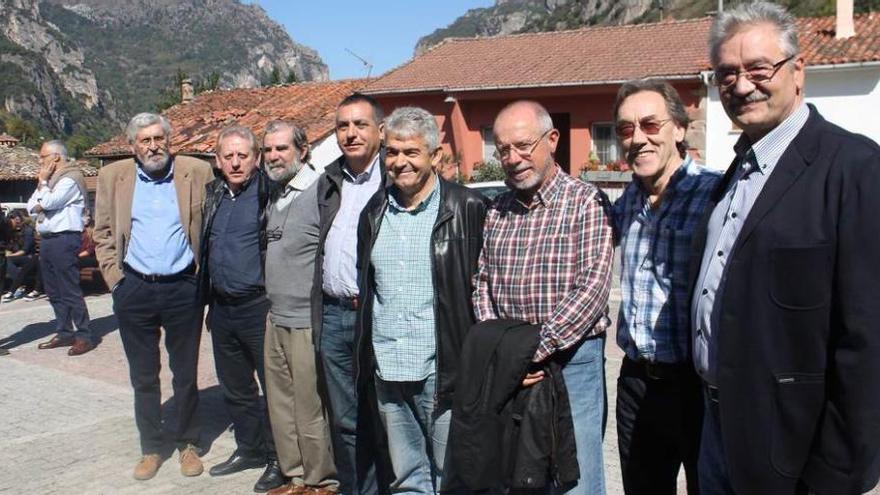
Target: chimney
x,y
186,90
845,26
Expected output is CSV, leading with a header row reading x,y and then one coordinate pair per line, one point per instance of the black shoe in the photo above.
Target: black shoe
x,y
4,351
272,477
236,463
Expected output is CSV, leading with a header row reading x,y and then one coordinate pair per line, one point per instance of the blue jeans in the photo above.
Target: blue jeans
x,y
337,359
711,467
584,375
417,434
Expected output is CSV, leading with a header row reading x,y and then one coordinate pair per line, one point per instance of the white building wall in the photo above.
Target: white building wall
x,y
848,97
325,152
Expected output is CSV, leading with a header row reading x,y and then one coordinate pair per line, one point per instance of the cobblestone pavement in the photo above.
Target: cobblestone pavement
x,y
68,423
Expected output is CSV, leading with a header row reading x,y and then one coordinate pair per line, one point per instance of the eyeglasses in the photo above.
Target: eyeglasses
x,y
626,130
158,140
524,150
761,74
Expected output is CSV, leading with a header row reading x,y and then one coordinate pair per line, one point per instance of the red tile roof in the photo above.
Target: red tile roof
x,y
196,124
20,163
598,55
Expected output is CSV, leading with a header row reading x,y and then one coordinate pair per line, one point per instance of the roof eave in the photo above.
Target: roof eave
x,y
460,89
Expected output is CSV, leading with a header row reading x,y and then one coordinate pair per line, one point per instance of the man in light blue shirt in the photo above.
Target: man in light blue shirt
x,y
419,247
58,203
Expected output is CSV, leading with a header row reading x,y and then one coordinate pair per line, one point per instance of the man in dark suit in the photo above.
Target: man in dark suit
x,y
784,300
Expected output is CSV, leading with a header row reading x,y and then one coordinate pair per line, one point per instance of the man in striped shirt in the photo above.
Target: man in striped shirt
x,y
546,259
659,401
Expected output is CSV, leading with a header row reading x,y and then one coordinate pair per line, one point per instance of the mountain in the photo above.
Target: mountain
x,y
85,66
520,16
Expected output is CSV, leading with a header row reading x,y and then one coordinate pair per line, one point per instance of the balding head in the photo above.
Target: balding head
x,y
525,142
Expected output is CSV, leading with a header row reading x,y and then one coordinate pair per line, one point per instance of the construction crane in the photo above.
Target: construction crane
x,y
367,65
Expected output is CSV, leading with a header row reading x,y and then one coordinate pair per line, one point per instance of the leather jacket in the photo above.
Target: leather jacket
x,y
457,238
267,191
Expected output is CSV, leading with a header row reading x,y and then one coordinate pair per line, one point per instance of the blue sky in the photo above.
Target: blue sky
x,y
384,32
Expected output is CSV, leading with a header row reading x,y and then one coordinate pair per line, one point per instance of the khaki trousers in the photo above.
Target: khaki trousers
x,y
299,426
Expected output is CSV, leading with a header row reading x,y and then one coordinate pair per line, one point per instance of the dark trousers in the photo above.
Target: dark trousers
x,y
21,268
60,271
238,334
142,308
659,419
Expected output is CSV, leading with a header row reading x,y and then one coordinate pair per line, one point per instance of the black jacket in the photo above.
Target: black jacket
x,y
799,334
329,197
267,191
502,433
456,240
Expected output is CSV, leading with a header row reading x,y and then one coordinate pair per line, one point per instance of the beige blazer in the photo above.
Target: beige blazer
x,y
113,209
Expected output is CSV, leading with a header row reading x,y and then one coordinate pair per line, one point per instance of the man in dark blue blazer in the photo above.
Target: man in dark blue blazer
x,y
786,290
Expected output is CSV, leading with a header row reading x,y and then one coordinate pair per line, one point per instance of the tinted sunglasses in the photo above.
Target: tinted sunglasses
x,y
625,130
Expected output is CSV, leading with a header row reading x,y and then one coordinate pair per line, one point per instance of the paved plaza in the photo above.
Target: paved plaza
x,y
68,424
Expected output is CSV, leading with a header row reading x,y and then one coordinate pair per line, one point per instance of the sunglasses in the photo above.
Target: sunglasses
x,y
625,130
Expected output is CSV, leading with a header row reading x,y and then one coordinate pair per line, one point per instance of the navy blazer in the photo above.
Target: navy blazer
x,y
799,335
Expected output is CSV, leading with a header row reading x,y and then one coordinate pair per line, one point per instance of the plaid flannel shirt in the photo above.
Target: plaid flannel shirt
x,y
548,263
653,322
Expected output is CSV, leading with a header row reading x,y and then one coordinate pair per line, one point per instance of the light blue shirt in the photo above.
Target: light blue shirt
x,y
404,334
340,247
62,207
158,243
756,162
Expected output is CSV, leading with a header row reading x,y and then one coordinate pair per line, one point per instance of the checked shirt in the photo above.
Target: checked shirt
x,y
548,263
653,322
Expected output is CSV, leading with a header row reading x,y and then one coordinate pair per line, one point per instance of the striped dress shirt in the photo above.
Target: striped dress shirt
x,y
548,263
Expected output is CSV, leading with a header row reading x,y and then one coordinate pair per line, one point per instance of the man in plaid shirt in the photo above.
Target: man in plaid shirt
x,y
546,259
659,401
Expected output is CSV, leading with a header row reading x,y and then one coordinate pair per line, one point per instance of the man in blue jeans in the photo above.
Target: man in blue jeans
x,y
411,324
546,259
343,190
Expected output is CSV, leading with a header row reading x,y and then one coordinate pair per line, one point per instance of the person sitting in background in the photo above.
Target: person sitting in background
x,y
21,252
86,256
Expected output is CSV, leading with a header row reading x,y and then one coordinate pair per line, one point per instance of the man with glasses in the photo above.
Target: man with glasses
x,y
58,204
546,259
659,400
785,312
148,215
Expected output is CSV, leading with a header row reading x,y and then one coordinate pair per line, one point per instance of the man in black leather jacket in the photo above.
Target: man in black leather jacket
x,y
232,282
418,245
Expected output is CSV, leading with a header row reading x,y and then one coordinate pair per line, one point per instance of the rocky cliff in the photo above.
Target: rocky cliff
x,y
85,66
519,16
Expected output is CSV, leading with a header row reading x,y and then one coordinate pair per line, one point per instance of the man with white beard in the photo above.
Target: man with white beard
x,y
297,413
147,228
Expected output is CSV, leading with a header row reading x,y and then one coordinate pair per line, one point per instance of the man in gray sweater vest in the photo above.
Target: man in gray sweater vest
x,y
299,425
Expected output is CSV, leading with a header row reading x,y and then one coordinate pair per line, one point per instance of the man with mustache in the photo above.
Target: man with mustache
x,y
419,243
659,400
296,409
147,220
232,283
546,259
343,191
785,287
58,204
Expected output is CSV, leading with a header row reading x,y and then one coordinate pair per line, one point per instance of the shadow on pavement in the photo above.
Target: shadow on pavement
x,y
212,415
43,330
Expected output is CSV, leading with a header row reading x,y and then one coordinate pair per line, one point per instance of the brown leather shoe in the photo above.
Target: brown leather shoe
x,y
80,347
288,489
56,342
147,467
190,464
320,490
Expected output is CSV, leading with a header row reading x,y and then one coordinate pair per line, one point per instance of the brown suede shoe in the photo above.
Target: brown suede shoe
x,y
80,347
56,342
316,490
288,489
190,464
147,467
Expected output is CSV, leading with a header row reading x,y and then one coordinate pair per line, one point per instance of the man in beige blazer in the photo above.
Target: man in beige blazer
x,y
147,221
